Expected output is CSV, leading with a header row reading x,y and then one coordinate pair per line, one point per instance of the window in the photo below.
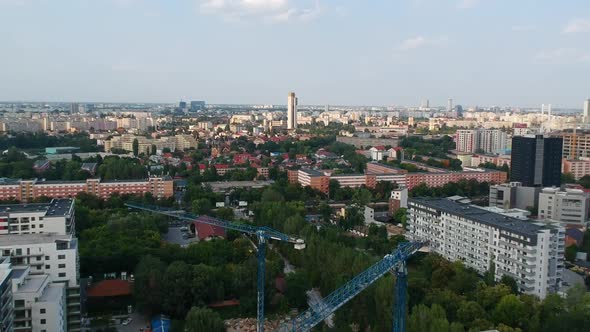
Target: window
x,y
42,310
61,274
61,257
43,321
47,266
46,258
61,266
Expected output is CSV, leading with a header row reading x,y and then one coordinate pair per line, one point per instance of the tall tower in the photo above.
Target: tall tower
x,y
450,105
291,111
545,124
586,111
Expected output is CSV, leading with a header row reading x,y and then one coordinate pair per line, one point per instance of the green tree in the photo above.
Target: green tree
x,y
178,297
135,147
510,282
585,181
570,252
148,286
510,311
203,319
201,206
470,311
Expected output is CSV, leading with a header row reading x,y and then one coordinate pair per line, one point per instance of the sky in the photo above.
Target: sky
x,y
336,52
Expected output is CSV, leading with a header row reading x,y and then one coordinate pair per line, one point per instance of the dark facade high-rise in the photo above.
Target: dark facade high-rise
x,y
536,161
197,105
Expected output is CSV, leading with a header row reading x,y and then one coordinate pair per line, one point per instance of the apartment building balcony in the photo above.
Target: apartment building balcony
x,y
517,247
525,272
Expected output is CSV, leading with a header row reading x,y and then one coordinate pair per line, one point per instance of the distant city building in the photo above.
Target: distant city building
x,y
450,105
197,105
125,142
586,116
569,207
531,253
29,190
292,111
536,161
481,140
575,145
577,168
182,104
459,111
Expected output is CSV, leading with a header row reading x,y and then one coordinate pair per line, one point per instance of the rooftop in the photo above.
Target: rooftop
x,y
53,292
55,208
477,214
28,239
312,172
109,288
33,283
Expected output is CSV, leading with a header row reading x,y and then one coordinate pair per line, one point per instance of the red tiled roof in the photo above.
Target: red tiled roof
x,y
223,304
109,288
205,231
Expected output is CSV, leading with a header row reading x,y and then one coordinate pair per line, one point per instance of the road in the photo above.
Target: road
x,y
174,235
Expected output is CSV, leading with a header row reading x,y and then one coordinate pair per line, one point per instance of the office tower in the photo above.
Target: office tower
x,y
182,104
531,253
74,108
292,111
536,161
197,105
459,110
450,105
587,111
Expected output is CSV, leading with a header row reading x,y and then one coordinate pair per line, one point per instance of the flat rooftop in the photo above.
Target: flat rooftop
x,y
53,293
472,212
27,239
312,172
225,185
55,208
33,283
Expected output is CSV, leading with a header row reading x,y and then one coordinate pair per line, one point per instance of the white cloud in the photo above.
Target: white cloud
x,y
577,25
268,10
420,41
562,55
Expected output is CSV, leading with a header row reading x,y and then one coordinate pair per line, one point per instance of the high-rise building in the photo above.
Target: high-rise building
x,y
536,161
531,253
182,104
459,111
197,105
292,111
481,140
587,111
450,105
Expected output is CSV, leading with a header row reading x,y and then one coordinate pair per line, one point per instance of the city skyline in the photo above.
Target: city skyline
x,y
341,53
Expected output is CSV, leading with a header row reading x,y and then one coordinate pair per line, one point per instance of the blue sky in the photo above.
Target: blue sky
x,y
354,52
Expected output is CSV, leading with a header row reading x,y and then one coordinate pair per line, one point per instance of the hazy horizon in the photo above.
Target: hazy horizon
x,y
348,52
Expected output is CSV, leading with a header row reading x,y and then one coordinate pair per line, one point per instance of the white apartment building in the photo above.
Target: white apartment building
x,y
531,253
55,217
53,255
569,207
125,142
39,304
481,140
6,305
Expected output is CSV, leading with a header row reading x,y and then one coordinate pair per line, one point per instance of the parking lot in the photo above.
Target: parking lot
x,y
175,235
